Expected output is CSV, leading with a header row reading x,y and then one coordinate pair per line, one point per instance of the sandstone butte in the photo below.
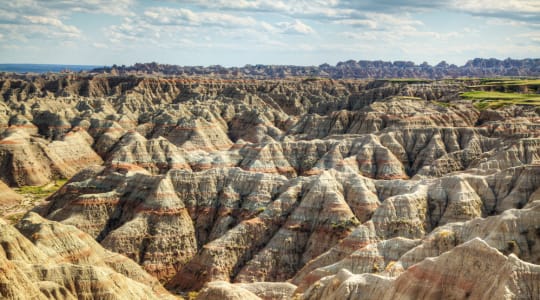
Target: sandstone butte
x,y
268,189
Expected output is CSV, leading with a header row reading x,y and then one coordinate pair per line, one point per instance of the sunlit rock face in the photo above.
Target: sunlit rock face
x,y
274,189
42,259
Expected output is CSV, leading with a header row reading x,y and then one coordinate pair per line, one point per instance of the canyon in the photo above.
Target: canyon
x,y
291,188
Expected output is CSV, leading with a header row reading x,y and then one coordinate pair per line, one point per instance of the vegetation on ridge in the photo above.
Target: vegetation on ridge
x,y
32,195
488,99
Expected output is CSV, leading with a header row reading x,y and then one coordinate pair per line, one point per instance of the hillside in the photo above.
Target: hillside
x,y
311,188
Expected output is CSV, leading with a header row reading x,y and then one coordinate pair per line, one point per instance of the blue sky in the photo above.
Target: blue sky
x,y
239,32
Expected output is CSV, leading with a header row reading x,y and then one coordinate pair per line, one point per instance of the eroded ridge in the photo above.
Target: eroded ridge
x,y
322,189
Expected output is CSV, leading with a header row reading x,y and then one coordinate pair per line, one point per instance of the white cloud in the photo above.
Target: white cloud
x,y
298,8
67,7
296,27
116,7
166,26
49,21
259,5
531,36
269,27
335,27
99,45
27,20
526,7
393,21
350,9
170,16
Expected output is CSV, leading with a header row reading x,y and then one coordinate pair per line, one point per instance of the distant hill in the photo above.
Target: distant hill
x,y
43,68
477,67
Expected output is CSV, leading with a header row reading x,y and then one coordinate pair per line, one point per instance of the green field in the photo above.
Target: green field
x,y
509,82
483,99
41,191
409,80
509,85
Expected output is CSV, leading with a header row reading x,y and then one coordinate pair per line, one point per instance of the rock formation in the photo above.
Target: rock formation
x,y
477,67
8,197
471,270
42,259
267,188
261,290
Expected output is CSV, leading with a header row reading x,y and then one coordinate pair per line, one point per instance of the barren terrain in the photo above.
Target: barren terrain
x,y
303,187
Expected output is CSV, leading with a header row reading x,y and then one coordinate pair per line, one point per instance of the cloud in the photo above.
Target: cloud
x,y
170,16
518,10
40,20
245,5
163,27
352,9
335,29
99,45
392,6
365,23
378,24
533,37
296,27
527,8
116,7
65,7
315,9
27,20
24,28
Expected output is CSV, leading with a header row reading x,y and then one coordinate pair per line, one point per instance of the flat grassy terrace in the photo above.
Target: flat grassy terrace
x,y
488,99
509,82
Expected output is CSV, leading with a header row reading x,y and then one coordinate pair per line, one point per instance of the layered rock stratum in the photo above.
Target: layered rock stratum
x,y
301,187
42,259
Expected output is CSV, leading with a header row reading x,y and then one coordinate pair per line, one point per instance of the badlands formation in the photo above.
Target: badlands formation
x,y
297,188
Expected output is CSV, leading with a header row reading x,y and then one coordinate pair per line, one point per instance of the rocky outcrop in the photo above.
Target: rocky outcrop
x,y
235,187
477,67
471,270
8,198
30,160
41,259
223,290
393,112
270,290
261,290
138,216
155,155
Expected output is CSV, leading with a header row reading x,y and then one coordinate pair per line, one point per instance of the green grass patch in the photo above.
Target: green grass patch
x,y
497,95
407,98
487,99
31,196
443,104
409,80
509,82
192,295
41,191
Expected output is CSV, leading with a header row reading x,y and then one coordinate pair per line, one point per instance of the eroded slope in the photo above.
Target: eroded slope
x,y
343,188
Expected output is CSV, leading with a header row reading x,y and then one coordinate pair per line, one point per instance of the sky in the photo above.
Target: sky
x,y
240,32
